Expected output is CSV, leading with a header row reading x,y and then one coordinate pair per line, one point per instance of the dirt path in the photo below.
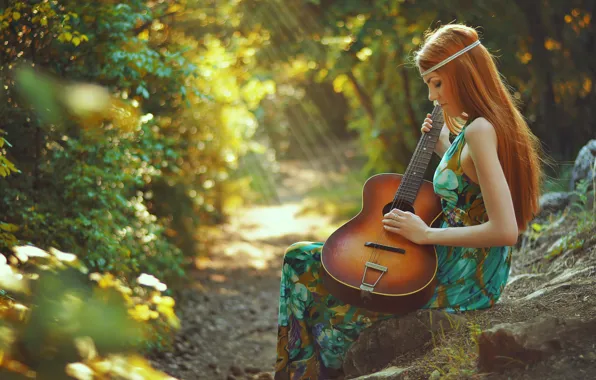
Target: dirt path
x,y
229,315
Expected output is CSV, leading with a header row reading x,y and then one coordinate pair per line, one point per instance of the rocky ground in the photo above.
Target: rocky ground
x,y
229,312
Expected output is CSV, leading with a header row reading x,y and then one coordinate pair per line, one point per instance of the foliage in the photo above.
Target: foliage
x,y
584,217
363,50
198,93
56,318
93,204
583,190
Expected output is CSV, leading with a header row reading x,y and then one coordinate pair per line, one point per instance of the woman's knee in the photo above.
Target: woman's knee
x,y
302,248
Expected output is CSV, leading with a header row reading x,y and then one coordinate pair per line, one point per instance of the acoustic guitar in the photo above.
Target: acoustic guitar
x,y
367,266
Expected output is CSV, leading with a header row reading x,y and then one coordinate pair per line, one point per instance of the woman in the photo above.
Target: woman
x,y
488,181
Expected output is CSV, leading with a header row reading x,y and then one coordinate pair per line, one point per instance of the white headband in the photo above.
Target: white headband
x,y
449,59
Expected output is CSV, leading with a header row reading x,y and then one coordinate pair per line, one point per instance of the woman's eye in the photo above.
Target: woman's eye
x,y
437,84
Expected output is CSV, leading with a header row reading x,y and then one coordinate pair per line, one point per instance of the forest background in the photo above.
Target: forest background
x,y
131,129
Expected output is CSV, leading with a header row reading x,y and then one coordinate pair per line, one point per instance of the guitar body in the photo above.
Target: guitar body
x,y
400,275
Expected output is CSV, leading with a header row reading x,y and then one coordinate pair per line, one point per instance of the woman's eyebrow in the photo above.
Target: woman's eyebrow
x,y
429,79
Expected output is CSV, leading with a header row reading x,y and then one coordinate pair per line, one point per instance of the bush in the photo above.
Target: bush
x,y
58,321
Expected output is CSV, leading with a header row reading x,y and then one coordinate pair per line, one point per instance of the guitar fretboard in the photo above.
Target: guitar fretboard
x,y
414,175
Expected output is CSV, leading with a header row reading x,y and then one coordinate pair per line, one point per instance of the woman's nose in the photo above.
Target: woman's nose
x,y
432,96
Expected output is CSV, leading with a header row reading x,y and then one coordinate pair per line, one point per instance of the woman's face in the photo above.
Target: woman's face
x,y
439,90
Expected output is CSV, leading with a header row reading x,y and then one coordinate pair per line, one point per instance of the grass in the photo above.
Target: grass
x,y
454,355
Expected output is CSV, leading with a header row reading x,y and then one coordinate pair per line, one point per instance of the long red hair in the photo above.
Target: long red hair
x,y
482,92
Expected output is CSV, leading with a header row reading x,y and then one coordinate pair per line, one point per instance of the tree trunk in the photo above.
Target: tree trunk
x,y
365,100
547,108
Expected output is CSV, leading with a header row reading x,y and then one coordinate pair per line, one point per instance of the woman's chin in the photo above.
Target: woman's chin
x,y
449,112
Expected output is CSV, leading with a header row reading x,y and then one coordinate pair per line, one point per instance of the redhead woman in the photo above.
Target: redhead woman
x,y
488,181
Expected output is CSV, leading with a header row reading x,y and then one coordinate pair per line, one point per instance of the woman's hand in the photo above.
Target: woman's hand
x,y
406,224
443,143
428,124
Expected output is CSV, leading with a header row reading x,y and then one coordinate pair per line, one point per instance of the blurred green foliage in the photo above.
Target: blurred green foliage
x,y
56,319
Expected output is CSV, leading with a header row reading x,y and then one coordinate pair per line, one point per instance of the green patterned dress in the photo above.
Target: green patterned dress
x,y
315,329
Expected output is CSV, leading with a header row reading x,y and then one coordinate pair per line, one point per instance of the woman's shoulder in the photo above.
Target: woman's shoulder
x,y
480,123
480,130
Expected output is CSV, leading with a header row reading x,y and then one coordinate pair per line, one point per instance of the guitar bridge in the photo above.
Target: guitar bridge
x,y
370,287
384,247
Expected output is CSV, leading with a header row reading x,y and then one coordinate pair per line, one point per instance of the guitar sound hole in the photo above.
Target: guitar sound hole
x,y
404,206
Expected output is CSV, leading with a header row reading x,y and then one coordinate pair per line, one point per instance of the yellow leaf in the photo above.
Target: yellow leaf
x,y
144,35
44,21
79,371
9,227
339,82
67,36
76,41
16,16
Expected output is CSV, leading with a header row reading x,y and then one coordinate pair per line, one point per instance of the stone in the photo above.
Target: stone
x,y
391,373
253,370
379,345
551,203
517,345
263,376
584,164
236,371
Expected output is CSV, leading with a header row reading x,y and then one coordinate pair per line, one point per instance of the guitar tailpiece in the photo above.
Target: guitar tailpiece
x,y
365,295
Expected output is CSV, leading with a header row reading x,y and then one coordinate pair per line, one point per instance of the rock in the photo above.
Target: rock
x,y
551,203
383,342
184,366
391,373
584,164
236,371
263,376
516,345
253,370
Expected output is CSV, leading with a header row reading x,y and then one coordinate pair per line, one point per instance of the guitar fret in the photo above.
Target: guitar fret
x,y
409,193
414,174
407,196
410,190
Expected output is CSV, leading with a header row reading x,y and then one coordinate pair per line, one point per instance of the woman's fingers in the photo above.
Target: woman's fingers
x,y
392,219
427,125
391,222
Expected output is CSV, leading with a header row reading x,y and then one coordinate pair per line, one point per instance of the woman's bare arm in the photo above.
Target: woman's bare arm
x,y
501,227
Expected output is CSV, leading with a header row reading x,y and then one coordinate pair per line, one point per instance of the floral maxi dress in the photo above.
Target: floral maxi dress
x,y
315,329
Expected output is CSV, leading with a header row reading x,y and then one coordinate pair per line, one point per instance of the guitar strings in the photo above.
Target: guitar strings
x,y
398,201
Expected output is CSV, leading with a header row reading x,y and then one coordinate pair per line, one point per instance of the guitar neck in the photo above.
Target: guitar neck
x,y
414,175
